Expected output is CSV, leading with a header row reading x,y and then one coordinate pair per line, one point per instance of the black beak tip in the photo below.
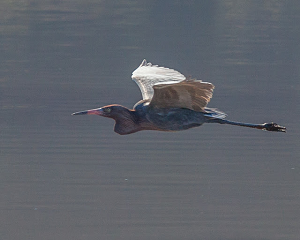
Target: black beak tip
x,y
79,113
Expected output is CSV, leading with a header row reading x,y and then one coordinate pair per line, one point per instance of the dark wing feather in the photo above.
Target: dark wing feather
x,y
191,94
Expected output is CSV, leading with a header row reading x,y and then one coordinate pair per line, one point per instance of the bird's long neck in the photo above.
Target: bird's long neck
x,y
127,122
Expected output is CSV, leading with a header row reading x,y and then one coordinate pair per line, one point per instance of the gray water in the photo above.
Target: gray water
x,y
72,177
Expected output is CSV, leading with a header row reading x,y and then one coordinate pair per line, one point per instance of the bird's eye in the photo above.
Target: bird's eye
x,y
107,110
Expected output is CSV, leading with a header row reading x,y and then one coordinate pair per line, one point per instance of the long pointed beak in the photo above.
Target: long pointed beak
x,y
97,111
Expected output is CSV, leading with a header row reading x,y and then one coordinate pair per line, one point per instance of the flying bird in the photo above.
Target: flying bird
x,y
171,102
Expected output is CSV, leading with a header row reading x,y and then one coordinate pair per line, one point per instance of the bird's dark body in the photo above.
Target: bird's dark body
x,y
171,102
160,119
175,119
169,119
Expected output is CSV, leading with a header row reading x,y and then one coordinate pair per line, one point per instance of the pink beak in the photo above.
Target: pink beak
x,y
97,111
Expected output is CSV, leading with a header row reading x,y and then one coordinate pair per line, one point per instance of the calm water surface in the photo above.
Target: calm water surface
x,y
67,177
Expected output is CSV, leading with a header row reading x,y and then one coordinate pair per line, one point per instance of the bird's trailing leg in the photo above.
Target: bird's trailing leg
x,y
265,126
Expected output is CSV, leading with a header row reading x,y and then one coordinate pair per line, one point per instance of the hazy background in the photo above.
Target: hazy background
x,y
72,177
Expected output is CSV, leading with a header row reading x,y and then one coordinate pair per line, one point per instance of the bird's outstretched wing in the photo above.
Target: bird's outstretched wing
x,y
189,93
147,75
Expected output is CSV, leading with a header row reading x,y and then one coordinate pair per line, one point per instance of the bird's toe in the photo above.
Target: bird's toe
x,y
274,127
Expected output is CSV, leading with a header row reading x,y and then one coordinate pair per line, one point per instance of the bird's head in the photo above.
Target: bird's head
x,y
111,111
125,119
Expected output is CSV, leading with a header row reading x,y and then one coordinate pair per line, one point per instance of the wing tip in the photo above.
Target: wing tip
x,y
148,70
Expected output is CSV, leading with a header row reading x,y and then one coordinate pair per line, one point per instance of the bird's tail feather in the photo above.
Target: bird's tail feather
x,y
214,113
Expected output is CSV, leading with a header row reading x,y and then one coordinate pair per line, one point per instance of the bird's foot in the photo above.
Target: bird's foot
x,y
274,127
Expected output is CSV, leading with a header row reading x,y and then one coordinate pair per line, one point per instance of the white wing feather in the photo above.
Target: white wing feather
x,y
147,75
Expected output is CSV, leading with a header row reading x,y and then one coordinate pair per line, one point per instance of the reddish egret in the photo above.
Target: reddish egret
x,y
171,102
